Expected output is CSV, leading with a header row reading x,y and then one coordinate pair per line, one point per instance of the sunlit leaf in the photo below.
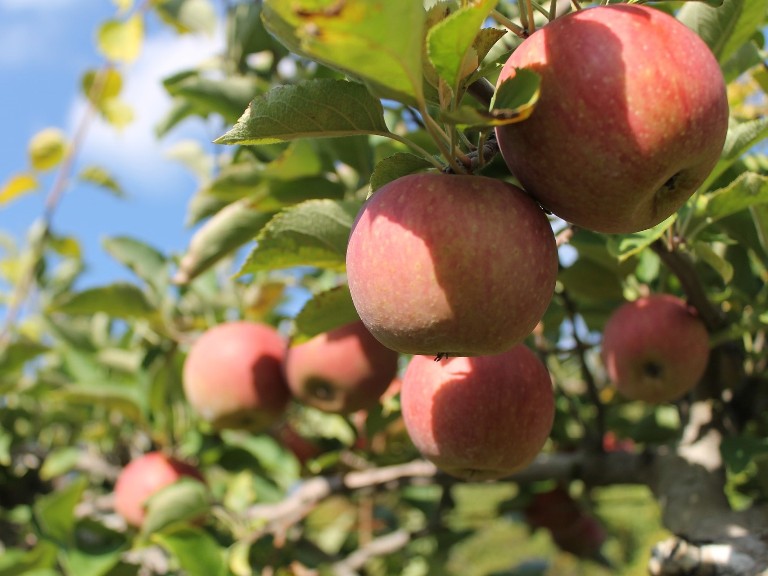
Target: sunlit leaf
x,y
626,245
121,40
313,233
47,149
182,501
16,186
323,312
377,41
395,166
449,40
196,551
99,176
705,253
55,512
747,190
188,15
120,299
145,261
315,109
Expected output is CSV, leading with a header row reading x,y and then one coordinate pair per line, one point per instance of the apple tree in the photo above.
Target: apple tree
x,y
475,287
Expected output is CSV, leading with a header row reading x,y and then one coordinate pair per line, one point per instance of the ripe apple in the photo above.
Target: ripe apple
x,y
143,477
655,348
451,265
631,119
481,417
342,370
233,376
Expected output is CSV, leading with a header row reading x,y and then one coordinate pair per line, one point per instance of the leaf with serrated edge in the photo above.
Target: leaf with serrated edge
x,y
747,190
314,109
313,233
627,245
395,166
325,311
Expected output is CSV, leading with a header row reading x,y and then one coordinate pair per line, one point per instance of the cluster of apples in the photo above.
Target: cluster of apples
x,y
631,119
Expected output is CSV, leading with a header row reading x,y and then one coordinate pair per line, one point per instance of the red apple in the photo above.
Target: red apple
x,y
343,370
631,119
233,376
655,349
481,417
451,265
142,478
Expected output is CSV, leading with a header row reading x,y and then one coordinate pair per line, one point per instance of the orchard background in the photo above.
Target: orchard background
x,y
91,376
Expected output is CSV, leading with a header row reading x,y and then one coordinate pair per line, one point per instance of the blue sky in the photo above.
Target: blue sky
x,y
45,46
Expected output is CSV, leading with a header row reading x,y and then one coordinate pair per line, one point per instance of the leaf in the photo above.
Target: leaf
x,y
759,215
188,15
227,96
627,245
376,41
120,299
741,137
182,501
15,355
449,40
55,512
120,41
314,109
129,401
17,186
227,230
313,233
325,311
100,177
706,254
47,148
143,260
393,167
727,27
192,155
59,461
747,190
100,86
196,551
270,455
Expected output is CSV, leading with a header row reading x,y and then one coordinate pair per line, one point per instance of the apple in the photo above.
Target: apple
x,y
631,119
341,371
451,265
233,376
142,477
480,417
655,348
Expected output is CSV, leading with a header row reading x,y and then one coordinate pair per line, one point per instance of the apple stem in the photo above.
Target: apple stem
x,y
507,23
529,17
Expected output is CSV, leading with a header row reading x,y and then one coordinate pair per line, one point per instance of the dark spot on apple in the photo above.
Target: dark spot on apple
x,y
441,356
321,389
670,184
653,369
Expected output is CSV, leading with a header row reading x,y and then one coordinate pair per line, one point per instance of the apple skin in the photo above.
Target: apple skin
x,y
144,476
233,376
655,349
451,264
340,371
631,119
478,418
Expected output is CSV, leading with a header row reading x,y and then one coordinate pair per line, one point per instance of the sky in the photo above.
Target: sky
x,y
45,46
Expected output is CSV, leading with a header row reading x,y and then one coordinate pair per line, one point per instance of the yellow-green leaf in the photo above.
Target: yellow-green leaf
x,y
120,40
100,86
47,148
16,186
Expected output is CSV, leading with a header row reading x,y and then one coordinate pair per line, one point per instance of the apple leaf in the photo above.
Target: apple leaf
x,y
395,166
741,137
378,42
184,500
227,96
120,41
313,233
100,177
747,190
143,260
759,215
16,186
128,400
55,512
196,551
625,246
724,28
325,311
228,229
120,299
449,40
47,149
706,254
14,355
314,109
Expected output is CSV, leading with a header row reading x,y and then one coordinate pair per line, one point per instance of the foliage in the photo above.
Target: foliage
x,y
375,89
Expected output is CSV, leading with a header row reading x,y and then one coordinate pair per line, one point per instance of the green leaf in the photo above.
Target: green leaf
x,y
197,553
100,177
705,253
55,512
101,85
727,27
313,233
120,41
449,40
127,400
315,109
516,96
143,260
376,41
16,186
227,96
393,167
59,461
759,215
34,562
16,354
120,299
325,311
747,190
741,137
627,245
227,230
183,501
188,15
270,455
47,149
